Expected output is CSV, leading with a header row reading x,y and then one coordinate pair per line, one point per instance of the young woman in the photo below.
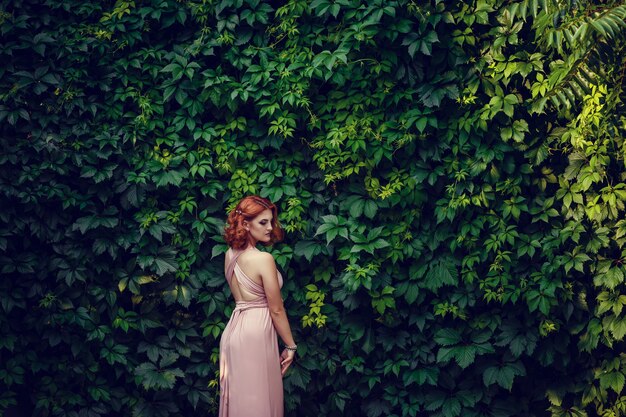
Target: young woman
x,y
251,368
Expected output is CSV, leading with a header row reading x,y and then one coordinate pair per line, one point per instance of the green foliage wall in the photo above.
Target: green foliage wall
x,y
450,174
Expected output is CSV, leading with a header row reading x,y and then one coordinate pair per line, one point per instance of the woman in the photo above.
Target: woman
x,y
251,368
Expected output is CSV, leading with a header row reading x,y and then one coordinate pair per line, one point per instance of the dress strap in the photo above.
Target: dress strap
x,y
249,283
230,269
242,278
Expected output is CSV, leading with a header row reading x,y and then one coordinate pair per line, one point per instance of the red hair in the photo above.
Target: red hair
x,y
247,209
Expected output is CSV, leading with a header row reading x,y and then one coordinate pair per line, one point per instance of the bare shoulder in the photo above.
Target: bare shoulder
x,y
265,263
264,258
258,259
258,264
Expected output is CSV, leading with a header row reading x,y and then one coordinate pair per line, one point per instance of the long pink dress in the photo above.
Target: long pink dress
x,y
250,381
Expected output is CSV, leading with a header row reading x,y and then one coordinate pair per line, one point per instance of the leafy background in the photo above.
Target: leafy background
x,y
450,174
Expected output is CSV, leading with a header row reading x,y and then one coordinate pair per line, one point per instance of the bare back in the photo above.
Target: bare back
x,y
246,263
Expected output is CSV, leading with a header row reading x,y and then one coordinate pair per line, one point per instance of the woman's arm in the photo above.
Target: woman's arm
x,y
269,276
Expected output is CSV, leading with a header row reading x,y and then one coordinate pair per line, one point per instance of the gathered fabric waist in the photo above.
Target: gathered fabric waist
x,y
246,305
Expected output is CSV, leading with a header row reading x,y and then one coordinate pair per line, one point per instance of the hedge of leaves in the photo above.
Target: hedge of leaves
x,y
450,174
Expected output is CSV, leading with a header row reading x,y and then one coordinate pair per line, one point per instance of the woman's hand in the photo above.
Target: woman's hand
x,y
286,358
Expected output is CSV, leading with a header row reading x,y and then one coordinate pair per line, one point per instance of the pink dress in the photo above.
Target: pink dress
x,y
250,381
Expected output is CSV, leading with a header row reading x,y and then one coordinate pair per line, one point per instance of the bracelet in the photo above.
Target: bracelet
x,y
291,348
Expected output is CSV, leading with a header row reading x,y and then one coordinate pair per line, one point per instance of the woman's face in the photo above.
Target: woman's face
x,y
261,226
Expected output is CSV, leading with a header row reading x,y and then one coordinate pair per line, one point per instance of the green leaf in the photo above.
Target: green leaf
x,y
447,337
465,355
441,273
451,407
612,380
503,375
170,177
308,249
164,266
611,278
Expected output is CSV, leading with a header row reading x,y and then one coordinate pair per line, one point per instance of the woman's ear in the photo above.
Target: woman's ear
x,y
246,225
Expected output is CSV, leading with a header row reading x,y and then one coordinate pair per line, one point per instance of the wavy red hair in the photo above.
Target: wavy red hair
x,y
247,209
